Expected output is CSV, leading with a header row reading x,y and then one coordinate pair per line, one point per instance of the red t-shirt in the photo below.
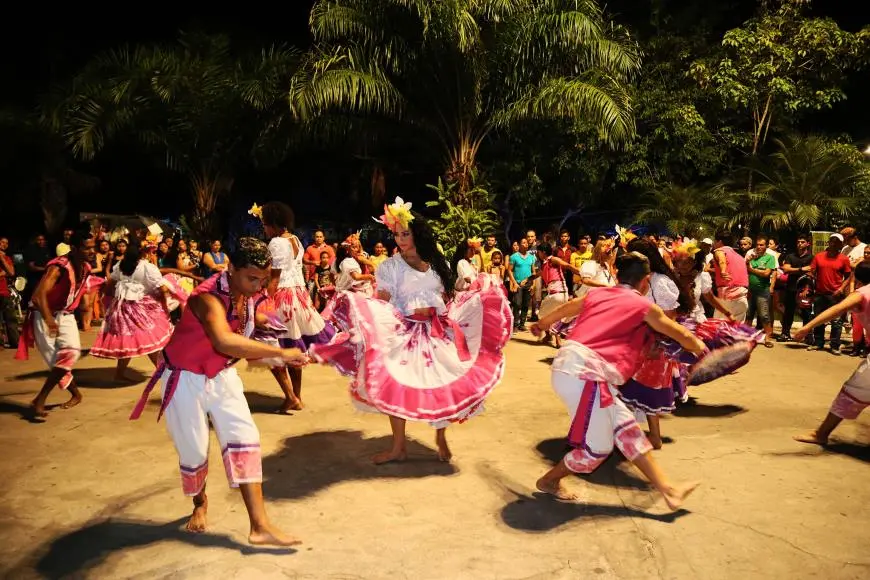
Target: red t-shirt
x,y
4,283
830,272
564,253
312,253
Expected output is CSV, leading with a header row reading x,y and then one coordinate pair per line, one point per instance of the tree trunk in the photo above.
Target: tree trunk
x,y
53,202
207,186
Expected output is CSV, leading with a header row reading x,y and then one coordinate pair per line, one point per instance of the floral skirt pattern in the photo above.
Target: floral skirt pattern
x,y
422,368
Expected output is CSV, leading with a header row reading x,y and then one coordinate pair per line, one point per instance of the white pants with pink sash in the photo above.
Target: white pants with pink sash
x,y
198,399
62,351
599,419
854,396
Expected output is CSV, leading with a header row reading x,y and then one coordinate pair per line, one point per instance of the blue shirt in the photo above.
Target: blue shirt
x,y
522,265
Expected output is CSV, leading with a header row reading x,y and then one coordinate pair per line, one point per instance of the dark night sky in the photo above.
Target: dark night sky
x,y
49,44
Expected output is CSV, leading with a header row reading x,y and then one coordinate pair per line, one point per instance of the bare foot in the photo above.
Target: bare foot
x,y
656,442
390,456
675,495
72,402
444,453
811,437
197,521
272,536
555,489
289,405
38,409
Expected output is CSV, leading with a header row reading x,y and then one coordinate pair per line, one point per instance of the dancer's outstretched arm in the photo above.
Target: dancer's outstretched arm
x,y
851,302
570,309
211,313
659,321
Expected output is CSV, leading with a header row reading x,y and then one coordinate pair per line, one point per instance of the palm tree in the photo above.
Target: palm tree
x,y
33,161
690,211
195,103
805,183
456,70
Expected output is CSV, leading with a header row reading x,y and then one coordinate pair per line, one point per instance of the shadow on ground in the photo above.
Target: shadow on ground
x,y
91,378
260,403
858,451
529,510
76,552
696,409
609,474
314,461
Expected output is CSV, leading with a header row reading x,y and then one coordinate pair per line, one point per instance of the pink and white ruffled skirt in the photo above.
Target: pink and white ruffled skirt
x,y
133,328
436,368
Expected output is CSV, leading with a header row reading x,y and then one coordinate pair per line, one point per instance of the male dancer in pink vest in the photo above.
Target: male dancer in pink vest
x,y
604,349
201,384
51,324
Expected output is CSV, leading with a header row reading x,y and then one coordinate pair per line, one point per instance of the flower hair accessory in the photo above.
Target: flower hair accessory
x,y
396,215
625,235
349,240
475,242
689,248
256,211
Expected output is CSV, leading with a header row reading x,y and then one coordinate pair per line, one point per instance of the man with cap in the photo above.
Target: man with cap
x,y
853,247
832,271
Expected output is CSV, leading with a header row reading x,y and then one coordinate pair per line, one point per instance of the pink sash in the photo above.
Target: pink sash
x,y
438,331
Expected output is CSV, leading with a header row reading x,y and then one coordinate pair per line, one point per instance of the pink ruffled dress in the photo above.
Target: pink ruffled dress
x,y
136,323
438,367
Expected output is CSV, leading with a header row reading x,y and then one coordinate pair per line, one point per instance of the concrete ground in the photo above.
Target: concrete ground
x,y
89,494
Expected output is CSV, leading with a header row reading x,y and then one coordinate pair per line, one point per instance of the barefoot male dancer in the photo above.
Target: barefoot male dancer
x,y
51,323
615,327
854,395
200,383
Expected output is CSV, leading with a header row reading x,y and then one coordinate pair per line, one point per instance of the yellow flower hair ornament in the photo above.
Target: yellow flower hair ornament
x,y
256,211
625,235
475,242
689,248
396,215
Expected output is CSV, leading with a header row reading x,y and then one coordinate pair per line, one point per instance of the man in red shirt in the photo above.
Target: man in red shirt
x,y
832,271
311,258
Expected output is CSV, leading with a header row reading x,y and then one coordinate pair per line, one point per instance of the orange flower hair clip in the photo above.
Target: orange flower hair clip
x,y
396,215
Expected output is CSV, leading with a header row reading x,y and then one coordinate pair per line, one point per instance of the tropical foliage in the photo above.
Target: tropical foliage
x,y
461,215
457,70
782,64
194,104
691,211
806,182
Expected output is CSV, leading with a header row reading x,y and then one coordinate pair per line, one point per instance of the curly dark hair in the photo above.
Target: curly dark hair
x,y
427,248
279,215
250,253
658,265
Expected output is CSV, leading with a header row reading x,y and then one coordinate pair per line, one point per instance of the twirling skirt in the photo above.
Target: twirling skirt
x,y
304,325
432,368
133,328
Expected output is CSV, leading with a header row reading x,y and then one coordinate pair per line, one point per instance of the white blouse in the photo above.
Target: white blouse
x,y
290,265
663,292
464,269
410,289
145,280
345,281
703,284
